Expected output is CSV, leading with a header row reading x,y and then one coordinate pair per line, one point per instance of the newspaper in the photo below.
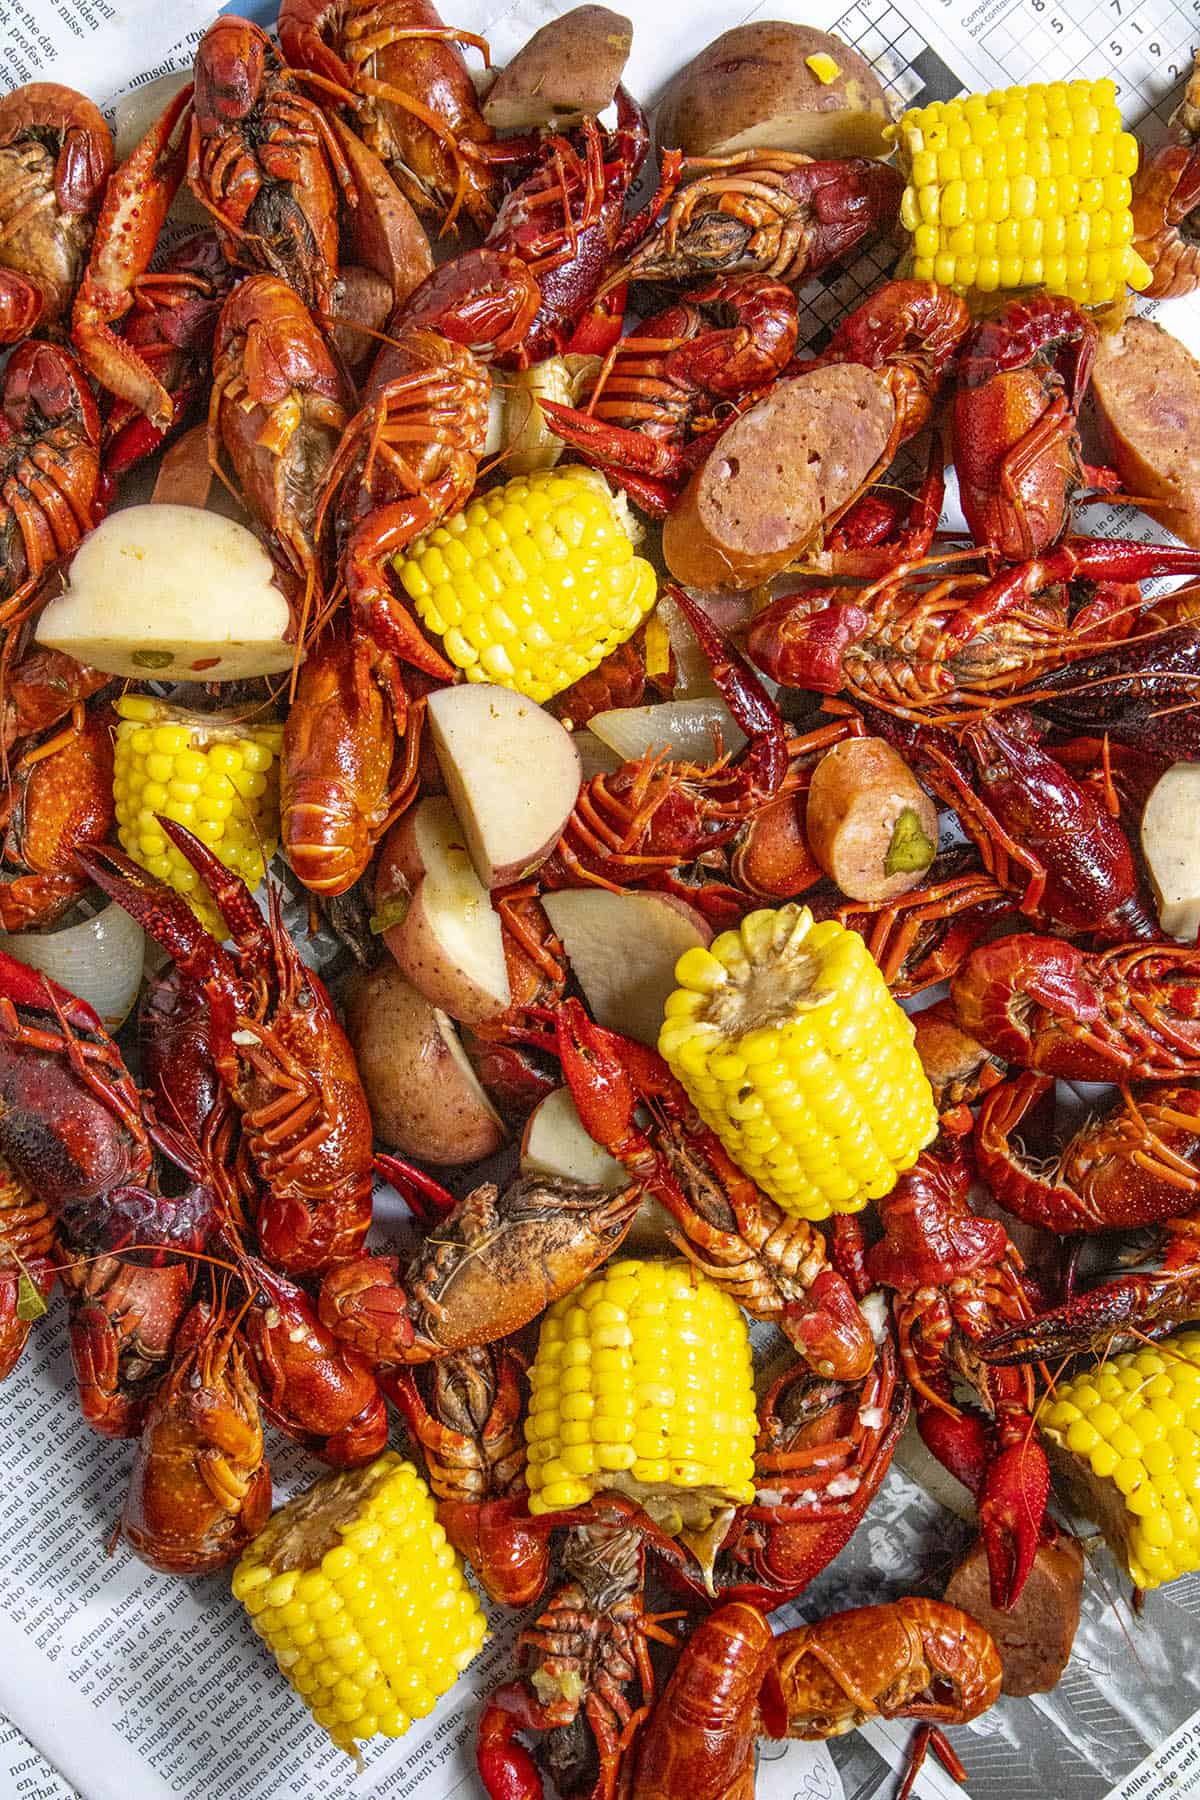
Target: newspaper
x,y
117,1683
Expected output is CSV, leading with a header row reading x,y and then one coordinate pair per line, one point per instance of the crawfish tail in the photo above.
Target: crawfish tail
x,y
1142,693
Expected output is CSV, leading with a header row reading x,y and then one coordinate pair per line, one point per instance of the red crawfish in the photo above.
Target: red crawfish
x,y
51,489
653,816
1140,695
178,1067
279,408
959,1069
414,100
489,1264
408,457
1129,1013
1021,379
774,1265
281,1054
71,1121
532,289
700,1739
200,1487
170,329
771,212
669,382
40,688
341,782
128,1269
312,1387
586,1682
1136,1164
55,157
59,795
1166,193
927,643
956,1279
470,1429
28,1263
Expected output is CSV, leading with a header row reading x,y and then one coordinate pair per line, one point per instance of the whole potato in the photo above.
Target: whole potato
x,y
773,85
424,1097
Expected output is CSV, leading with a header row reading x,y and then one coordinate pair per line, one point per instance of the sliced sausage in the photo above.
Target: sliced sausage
x,y
1147,390
870,823
773,479
1035,1638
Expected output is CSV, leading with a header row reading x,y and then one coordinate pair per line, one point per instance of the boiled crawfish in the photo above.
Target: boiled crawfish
x,y
279,1050
414,101
772,212
1130,1013
28,1263
60,794
490,1264
200,1487
956,1279
1137,1164
51,490
55,157
922,937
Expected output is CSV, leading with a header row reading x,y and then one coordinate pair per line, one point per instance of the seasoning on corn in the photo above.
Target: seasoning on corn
x,y
792,1050
214,774
1023,187
1124,1439
643,1382
361,1600
533,583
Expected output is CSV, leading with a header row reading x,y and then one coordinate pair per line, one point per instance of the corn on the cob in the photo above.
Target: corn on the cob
x,y
1125,1442
1022,187
215,775
643,1382
533,583
356,1592
792,1050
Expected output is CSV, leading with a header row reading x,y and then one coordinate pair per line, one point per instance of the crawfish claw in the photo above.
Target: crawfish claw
x,y
1149,1305
507,1770
829,1330
1012,1503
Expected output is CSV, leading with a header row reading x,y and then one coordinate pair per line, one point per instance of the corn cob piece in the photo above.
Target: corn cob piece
x,y
643,1382
362,1602
1124,1440
792,1050
533,583
1023,187
212,773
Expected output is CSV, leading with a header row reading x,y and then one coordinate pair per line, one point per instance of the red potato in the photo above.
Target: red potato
x,y
622,949
1034,1639
776,476
554,1142
447,936
1147,393
511,771
566,71
870,824
424,1096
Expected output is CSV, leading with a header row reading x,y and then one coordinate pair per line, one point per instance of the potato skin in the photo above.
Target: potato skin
x,y
859,790
567,69
753,87
771,481
1147,394
423,1103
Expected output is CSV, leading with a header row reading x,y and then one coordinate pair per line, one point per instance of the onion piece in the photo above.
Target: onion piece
x,y
99,960
687,728
595,758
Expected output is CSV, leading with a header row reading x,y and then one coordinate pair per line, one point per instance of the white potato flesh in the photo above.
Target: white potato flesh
x,y
623,949
1171,846
449,942
171,593
555,1142
512,774
688,729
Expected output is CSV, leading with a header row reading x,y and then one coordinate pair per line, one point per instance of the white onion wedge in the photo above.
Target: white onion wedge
x,y
99,960
686,728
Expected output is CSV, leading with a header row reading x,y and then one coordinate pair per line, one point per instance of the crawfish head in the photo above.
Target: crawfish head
x,y
232,64
931,1236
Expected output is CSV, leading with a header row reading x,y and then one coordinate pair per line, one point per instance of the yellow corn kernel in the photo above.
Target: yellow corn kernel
x,y
361,1601
212,773
533,583
662,1357
1125,1442
794,1053
1044,154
